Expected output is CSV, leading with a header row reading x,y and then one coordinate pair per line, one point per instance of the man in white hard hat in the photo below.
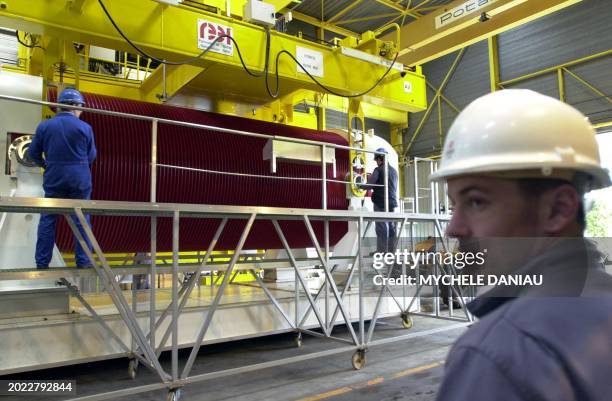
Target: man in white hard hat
x,y
517,164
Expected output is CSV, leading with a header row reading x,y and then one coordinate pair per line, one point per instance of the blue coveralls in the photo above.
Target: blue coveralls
x,y
385,230
69,149
547,343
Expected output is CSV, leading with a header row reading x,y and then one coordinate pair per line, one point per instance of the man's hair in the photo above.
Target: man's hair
x,y
535,187
67,110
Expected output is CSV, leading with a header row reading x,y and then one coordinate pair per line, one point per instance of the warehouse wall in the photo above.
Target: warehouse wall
x,y
540,44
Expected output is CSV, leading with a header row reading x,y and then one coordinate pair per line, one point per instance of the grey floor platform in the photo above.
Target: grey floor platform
x,y
409,370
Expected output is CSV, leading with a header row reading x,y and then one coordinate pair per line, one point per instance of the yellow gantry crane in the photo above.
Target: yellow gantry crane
x,y
248,70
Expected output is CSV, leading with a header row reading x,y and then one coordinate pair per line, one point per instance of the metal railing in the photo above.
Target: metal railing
x,y
148,343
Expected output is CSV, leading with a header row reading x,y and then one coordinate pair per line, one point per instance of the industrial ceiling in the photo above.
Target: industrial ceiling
x,y
362,15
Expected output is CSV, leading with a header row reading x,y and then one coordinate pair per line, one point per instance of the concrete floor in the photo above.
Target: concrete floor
x,y
409,370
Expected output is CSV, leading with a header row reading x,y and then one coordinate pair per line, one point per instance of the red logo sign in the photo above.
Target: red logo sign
x,y
209,32
213,31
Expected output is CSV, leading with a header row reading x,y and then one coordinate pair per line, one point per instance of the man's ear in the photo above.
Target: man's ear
x,y
560,208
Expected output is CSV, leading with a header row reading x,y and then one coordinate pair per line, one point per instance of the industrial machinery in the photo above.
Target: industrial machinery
x,y
204,174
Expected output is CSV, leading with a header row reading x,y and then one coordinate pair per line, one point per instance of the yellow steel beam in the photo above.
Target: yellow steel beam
x,y
561,82
344,11
279,4
493,63
429,8
440,129
449,74
321,111
327,26
451,104
457,25
234,7
421,5
171,33
545,71
368,18
588,85
103,84
397,7
603,125
315,99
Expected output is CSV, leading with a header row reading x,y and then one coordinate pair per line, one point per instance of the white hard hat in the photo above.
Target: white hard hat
x,y
520,133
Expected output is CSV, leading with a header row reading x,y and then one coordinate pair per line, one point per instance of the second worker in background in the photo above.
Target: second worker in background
x,y
385,230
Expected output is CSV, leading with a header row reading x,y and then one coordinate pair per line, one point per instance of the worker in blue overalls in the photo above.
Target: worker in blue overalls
x,y
69,149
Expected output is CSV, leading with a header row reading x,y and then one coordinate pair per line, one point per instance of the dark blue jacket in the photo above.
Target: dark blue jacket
x,y
69,148
548,343
378,192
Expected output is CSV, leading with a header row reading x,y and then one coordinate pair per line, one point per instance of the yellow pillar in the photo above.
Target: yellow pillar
x,y
493,63
397,141
357,138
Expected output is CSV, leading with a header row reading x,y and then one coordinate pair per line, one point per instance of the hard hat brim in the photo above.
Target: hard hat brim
x,y
601,177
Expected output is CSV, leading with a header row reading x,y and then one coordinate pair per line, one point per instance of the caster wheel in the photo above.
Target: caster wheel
x,y
407,321
133,368
174,395
298,340
358,360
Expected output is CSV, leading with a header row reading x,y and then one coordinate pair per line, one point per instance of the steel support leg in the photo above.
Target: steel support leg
x,y
191,284
346,285
272,299
175,313
382,291
113,289
281,236
217,300
334,288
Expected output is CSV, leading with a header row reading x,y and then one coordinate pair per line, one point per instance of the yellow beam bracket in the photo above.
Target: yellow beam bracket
x,y
156,86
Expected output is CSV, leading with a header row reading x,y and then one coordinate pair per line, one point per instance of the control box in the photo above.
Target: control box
x,y
260,13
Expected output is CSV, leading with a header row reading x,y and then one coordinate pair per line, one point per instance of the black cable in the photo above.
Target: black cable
x,y
182,62
31,46
315,39
267,67
265,73
325,88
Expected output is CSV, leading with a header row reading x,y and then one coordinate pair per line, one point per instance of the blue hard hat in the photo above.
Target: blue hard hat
x,y
71,96
377,155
